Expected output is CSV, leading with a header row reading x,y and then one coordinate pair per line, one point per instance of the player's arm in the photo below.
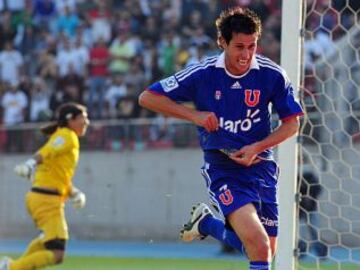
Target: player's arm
x,y
26,168
164,105
247,155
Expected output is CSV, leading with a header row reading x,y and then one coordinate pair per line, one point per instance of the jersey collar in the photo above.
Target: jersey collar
x,y
220,63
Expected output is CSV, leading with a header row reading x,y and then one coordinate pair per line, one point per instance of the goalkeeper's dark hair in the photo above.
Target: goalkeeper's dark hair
x,y
237,20
63,114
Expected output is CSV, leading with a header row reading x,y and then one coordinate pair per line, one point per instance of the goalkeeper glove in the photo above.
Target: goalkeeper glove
x,y
26,169
77,198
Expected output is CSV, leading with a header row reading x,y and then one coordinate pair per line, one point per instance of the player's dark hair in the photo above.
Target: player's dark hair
x,y
237,20
63,114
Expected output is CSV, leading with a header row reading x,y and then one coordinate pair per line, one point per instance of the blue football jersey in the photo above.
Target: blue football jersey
x,y
241,103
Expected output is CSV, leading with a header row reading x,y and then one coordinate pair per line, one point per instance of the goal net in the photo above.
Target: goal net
x,y
328,228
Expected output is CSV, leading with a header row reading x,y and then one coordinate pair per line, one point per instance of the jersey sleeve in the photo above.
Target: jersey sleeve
x,y
177,87
284,100
57,145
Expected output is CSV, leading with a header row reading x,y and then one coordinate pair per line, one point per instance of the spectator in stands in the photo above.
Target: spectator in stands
x,y
7,29
47,67
14,103
133,28
63,5
135,78
44,12
151,62
190,27
27,48
16,5
45,40
199,38
81,55
98,71
76,83
11,64
121,52
116,91
122,21
65,58
168,50
39,101
99,19
127,107
270,46
150,31
67,22
84,33
197,54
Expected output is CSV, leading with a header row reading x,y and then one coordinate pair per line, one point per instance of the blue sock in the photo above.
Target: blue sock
x,y
260,266
216,228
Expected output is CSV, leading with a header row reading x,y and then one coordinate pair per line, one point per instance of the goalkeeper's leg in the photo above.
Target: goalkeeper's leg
x,y
35,245
53,253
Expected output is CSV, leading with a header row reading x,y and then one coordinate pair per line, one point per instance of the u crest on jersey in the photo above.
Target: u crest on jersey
x,y
252,97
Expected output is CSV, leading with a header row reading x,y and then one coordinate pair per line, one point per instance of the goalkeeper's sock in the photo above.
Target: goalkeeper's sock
x,y
216,228
34,261
259,265
35,245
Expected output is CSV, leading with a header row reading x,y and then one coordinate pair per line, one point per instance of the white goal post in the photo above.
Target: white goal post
x,y
324,228
287,151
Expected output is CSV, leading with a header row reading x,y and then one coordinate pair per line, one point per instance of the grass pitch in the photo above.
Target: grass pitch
x,y
101,263
118,263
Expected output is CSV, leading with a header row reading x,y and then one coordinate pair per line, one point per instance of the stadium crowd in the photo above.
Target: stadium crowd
x,y
102,53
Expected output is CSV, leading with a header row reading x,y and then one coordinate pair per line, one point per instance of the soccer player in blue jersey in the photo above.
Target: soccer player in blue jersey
x,y
231,93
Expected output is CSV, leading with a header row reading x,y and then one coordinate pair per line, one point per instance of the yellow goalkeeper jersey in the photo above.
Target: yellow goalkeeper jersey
x,y
60,156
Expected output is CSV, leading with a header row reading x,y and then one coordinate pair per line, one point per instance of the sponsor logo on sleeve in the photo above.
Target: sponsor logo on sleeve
x,y
169,84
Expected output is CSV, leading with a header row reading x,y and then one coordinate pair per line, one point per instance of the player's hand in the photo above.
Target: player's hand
x,y
207,120
77,198
246,156
26,169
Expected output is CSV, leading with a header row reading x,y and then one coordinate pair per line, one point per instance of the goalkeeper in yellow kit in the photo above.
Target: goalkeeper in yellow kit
x,y
51,170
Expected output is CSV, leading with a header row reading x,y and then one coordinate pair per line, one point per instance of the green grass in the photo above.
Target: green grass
x,y
98,263
116,263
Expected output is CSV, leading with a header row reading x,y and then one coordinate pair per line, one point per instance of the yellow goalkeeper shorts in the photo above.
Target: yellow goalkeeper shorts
x,y
48,213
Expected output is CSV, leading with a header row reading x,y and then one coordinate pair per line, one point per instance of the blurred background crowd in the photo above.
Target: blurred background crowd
x,y
103,53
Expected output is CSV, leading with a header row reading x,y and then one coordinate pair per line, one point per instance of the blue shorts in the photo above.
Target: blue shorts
x,y
232,188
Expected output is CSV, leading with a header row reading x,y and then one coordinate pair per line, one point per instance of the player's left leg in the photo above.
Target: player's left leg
x,y
36,260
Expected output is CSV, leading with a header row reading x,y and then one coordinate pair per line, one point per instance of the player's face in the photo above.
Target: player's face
x,y
239,52
79,124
